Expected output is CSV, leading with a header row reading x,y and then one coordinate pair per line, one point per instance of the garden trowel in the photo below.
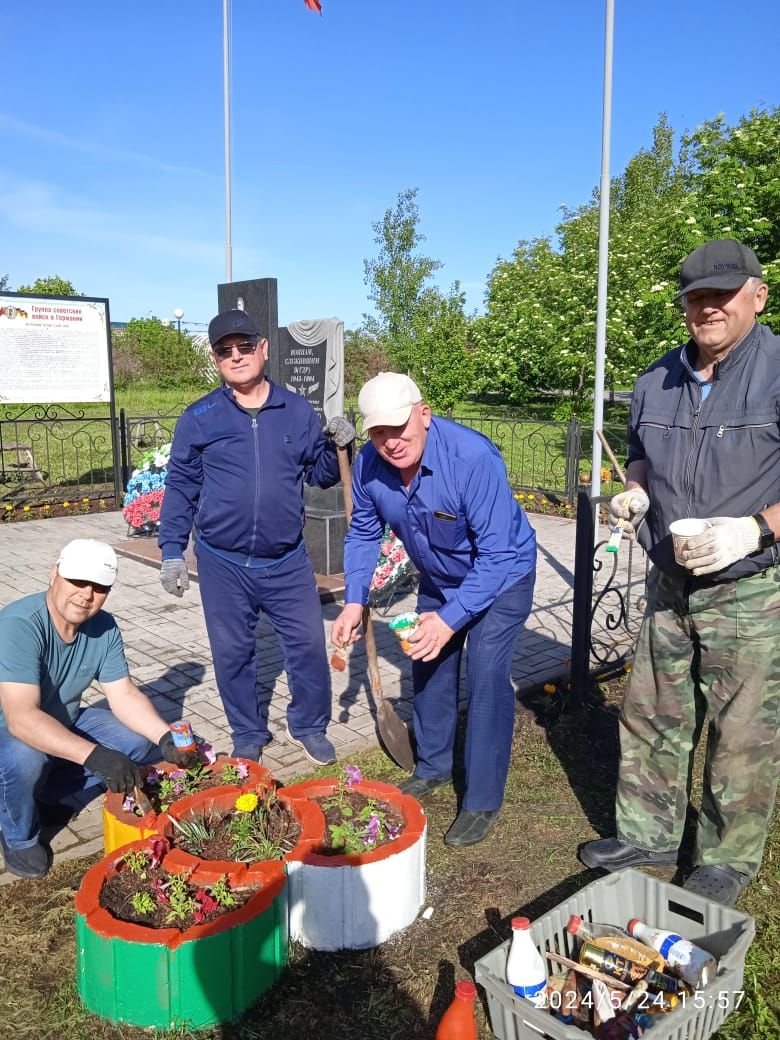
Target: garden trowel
x,y
393,731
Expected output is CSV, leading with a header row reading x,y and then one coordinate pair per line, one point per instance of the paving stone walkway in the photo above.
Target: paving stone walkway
x,y
169,657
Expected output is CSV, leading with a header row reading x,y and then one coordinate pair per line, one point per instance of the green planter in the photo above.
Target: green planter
x,y
165,978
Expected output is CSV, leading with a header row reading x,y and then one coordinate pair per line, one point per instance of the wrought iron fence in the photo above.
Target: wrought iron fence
x,y
609,597
51,452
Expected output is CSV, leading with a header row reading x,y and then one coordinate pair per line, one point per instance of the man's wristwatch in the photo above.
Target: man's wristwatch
x,y
766,538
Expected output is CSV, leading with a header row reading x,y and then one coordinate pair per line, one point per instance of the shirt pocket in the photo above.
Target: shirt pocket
x,y
447,534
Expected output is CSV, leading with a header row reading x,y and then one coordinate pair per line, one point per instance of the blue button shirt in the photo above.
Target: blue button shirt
x,y
458,521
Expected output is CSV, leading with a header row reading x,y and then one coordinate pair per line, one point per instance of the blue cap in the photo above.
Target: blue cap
x,y
232,323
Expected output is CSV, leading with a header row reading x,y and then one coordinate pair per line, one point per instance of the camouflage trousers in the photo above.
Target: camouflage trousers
x,y
704,654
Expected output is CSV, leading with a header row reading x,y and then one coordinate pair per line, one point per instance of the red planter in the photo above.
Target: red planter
x,y
121,827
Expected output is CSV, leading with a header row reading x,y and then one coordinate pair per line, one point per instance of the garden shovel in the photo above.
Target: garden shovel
x,y
393,731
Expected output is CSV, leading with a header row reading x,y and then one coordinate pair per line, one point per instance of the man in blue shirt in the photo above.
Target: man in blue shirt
x,y
443,490
53,645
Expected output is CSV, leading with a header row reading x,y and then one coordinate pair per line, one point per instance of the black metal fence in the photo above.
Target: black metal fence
x,y
609,597
50,452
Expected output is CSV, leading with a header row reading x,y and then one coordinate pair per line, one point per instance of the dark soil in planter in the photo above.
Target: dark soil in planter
x,y
334,816
118,891
281,829
212,777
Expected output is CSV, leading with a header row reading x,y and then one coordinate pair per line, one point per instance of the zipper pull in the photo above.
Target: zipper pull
x,y
721,428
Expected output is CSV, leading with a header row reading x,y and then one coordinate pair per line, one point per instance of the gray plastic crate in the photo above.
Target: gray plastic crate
x,y
615,899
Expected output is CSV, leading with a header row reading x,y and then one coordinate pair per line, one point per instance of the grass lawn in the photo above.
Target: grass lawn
x,y
560,793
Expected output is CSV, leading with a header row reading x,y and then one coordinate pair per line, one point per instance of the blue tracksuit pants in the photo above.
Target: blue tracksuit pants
x,y
490,720
286,592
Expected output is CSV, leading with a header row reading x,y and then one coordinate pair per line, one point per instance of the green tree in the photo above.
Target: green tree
x,y
397,279
363,359
538,332
3,282
51,286
421,331
147,350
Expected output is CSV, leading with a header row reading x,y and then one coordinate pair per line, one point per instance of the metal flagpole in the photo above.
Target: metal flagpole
x,y
601,291
226,92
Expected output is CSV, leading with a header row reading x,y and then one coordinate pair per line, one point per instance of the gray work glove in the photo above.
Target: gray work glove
x,y
119,772
627,510
174,577
341,431
727,540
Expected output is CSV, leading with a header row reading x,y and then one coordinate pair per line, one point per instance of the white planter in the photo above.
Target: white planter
x,y
354,902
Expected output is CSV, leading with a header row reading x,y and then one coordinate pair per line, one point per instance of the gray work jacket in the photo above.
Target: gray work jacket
x,y
716,458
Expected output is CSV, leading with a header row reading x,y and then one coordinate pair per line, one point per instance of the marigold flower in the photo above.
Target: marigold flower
x,y
246,802
25,509
550,687
65,505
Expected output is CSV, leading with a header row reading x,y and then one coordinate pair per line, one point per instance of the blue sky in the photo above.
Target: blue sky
x,y
111,118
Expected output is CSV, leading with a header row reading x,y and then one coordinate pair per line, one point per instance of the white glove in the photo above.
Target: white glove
x,y
174,577
627,511
728,540
341,431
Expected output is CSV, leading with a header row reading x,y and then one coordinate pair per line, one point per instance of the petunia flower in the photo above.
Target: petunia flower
x,y
353,774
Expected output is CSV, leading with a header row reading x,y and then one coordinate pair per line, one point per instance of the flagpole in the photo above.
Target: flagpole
x,y
226,97
601,290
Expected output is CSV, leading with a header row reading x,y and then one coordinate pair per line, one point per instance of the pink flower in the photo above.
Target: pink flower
x,y
243,770
206,753
353,774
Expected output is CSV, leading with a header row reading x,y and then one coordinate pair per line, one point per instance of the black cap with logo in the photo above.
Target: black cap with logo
x,y
232,323
723,264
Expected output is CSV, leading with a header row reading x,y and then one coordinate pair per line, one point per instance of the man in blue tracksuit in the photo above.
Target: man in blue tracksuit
x,y
444,491
239,460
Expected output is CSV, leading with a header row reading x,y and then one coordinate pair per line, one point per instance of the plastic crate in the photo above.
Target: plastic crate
x,y
616,898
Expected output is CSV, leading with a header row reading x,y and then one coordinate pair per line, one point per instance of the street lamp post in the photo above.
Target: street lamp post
x,y
178,315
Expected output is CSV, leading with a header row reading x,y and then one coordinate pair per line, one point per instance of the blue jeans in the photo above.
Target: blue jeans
x,y
28,775
490,720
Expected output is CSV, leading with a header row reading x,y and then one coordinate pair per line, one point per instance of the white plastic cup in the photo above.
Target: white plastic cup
x,y
682,530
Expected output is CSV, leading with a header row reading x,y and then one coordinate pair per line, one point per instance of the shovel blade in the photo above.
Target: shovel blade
x,y
394,735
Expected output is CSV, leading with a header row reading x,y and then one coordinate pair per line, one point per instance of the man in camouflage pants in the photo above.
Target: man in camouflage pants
x,y
704,441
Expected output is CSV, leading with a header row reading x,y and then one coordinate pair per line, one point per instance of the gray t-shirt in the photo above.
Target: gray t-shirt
x,y
32,651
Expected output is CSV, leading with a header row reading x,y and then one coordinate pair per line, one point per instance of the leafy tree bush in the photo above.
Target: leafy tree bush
x,y
51,286
148,351
363,359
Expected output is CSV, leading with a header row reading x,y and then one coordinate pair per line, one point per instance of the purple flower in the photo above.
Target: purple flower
x,y
128,804
153,777
353,774
393,829
243,770
206,753
177,774
372,830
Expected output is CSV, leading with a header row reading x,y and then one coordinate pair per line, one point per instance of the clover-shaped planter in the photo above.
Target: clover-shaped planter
x,y
308,815
121,826
167,978
358,901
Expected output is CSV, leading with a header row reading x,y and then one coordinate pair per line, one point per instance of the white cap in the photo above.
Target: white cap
x,y
87,559
387,400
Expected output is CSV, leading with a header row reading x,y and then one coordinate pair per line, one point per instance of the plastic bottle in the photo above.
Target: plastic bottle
x,y
458,1022
183,738
693,964
525,970
616,940
625,970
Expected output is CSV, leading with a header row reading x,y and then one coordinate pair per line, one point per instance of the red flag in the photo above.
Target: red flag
x,y
314,5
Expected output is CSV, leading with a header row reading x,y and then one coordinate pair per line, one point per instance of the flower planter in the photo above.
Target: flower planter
x,y
121,827
166,977
354,902
308,814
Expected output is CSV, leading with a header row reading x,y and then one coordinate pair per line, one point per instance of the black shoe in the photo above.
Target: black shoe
x,y
252,752
613,854
420,786
33,862
470,828
719,882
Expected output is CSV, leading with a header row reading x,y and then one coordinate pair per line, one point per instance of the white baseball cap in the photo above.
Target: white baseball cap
x,y
387,400
87,559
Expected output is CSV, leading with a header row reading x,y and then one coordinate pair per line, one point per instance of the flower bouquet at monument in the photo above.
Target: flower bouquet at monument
x,y
393,570
145,491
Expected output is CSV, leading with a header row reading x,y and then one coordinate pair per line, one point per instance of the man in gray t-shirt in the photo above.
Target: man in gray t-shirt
x,y
53,645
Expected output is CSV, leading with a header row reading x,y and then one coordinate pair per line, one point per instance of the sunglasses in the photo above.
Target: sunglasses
x,y
247,347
